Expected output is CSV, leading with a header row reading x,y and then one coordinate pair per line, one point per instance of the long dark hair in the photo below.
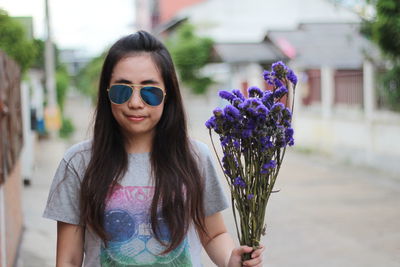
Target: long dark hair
x,y
177,179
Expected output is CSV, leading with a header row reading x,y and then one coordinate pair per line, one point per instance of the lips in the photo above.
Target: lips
x,y
135,117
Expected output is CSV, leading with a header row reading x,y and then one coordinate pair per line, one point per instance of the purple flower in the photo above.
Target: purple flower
x,y
250,196
238,94
254,91
270,165
280,92
226,95
266,143
289,132
277,107
246,103
280,69
231,113
237,101
266,168
267,77
218,112
210,123
280,139
261,109
286,114
286,123
250,105
239,181
269,144
236,144
268,98
292,77
250,124
247,133
277,83
289,136
225,141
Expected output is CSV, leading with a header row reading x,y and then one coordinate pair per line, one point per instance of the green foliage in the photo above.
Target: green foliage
x,y
390,90
67,128
386,28
14,42
385,31
190,54
62,76
62,85
39,58
88,77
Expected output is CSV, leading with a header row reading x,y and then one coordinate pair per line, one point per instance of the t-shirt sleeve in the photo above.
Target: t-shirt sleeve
x,y
214,196
63,200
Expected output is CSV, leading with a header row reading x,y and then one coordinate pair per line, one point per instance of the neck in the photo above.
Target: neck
x,y
139,143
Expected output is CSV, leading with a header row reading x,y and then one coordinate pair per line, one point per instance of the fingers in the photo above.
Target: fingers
x,y
241,250
256,256
258,252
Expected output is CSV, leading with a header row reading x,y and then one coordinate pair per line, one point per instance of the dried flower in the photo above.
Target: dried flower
x,y
254,133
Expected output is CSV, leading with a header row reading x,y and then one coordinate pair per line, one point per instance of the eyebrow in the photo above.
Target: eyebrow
x,y
145,82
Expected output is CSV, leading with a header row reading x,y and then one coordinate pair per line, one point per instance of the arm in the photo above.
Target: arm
x,y
69,245
220,247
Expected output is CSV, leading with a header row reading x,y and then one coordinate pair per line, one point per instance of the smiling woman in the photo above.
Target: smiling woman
x,y
136,118
141,192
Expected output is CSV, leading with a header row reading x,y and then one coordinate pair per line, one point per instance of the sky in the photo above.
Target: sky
x,y
87,25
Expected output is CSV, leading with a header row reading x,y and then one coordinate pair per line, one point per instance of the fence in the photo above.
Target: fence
x,y
348,88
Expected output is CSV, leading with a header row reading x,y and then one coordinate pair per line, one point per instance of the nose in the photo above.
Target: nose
x,y
135,101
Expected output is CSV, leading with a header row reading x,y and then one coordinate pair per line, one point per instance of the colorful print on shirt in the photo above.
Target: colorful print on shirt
x,y
132,242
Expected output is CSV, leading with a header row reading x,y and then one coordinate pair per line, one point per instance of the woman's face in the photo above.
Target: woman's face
x,y
136,118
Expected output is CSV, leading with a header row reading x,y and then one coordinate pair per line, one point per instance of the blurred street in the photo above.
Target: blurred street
x,y
326,213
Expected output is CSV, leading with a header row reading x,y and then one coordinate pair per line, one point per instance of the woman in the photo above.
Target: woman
x,y
140,193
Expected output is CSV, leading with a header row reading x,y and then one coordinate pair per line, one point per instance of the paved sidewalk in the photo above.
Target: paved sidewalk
x,y
326,214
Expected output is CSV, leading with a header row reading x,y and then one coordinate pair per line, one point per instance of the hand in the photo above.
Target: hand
x,y
236,257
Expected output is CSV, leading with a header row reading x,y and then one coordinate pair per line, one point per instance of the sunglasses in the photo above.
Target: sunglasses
x,y
121,93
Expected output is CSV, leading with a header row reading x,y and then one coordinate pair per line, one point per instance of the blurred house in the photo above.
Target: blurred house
x,y
152,13
337,108
74,60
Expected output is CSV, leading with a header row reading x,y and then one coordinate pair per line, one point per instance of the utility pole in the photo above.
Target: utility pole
x,y
52,113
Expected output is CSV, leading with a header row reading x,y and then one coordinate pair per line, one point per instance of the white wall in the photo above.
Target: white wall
x,y
368,136
353,139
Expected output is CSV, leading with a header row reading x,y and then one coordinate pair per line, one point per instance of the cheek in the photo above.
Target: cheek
x,y
116,111
160,111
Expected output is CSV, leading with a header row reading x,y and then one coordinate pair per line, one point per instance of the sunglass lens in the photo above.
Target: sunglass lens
x,y
152,95
119,94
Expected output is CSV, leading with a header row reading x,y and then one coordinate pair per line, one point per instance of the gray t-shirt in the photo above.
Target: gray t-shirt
x,y
127,211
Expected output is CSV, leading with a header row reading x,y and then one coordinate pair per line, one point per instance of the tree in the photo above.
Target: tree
x,y
385,30
14,42
88,78
190,54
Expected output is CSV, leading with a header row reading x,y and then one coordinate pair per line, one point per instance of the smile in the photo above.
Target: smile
x,y
135,118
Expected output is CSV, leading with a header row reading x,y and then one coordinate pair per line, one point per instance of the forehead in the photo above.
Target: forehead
x,y
136,68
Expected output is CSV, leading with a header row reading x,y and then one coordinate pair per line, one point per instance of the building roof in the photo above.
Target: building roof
x,y
248,21
338,45
247,52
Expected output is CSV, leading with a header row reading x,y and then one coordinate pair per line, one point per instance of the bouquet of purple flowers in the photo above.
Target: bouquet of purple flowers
x,y
254,133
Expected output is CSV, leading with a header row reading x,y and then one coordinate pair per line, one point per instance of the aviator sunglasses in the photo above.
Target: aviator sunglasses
x,y
120,93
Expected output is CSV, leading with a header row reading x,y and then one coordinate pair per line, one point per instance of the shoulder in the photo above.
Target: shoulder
x,y
201,149
78,152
